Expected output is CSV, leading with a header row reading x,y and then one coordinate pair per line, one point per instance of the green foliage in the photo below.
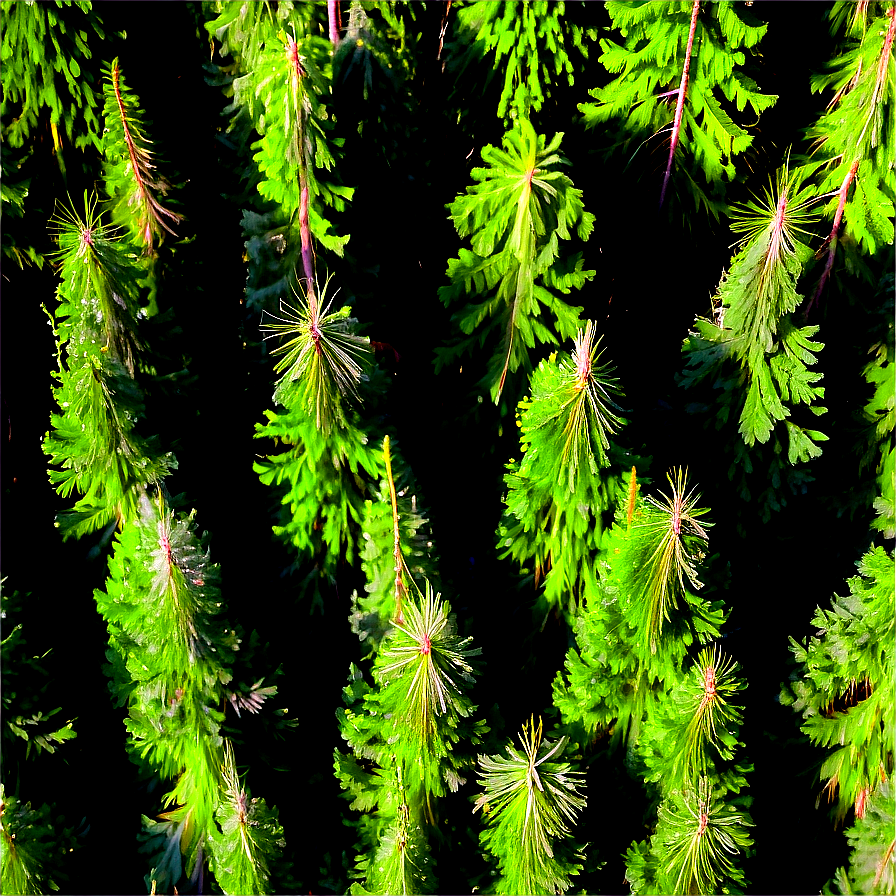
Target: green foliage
x,y
625,659
559,494
879,416
280,82
43,47
855,139
399,861
33,846
131,180
694,731
872,867
688,745
846,690
416,713
409,726
22,716
291,81
515,215
387,581
532,45
648,69
752,363
691,852
170,657
246,836
325,483
93,444
14,191
753,327
321,361
530,804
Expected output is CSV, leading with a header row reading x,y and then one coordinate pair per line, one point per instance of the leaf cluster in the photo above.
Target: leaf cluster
x,y
23,716
33,846
404,732
872,866
688,745
130,175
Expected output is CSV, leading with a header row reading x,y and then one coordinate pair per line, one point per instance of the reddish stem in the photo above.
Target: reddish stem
x,y
307,254
832,239
334,18
679,103
847,181
155,210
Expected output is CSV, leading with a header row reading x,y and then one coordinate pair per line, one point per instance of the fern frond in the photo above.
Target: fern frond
x,y
697,839
846,691
130,177
529,804
516,214
675,529
558,494
246,838
426,657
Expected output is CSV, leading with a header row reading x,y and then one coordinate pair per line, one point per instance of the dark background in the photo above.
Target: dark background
x,y
653,276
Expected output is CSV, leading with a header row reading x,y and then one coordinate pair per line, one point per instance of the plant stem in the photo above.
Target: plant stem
x,y
679,103
334,19
832,239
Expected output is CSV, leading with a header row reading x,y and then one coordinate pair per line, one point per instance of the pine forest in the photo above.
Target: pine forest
x,y
448,447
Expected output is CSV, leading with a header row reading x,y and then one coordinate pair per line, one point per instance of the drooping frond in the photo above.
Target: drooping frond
x,y
93,444
694,53
131,177
424,671
515,215
694,730
846,691
399,862
854,139
246,838
558,494
534,44
674,527
872,864
529,805
613,679
43,47
33,847
753,327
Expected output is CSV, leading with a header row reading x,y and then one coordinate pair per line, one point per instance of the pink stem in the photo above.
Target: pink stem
x,y
307,254
334,17
832,239
679,105
847,181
